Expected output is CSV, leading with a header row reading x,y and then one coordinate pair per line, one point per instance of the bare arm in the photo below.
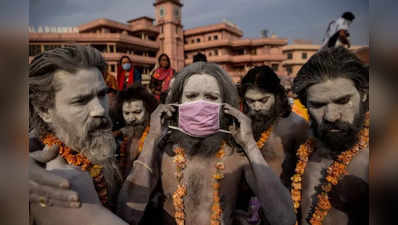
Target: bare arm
x,y
266,185
274,197
140,183
144,176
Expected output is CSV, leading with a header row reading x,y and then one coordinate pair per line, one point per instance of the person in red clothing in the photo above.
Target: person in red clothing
x,y
127,75
161,77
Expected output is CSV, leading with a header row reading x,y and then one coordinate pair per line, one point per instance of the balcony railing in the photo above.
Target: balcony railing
x,y
92,37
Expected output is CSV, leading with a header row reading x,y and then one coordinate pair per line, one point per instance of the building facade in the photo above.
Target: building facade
x,y
297,54
143,39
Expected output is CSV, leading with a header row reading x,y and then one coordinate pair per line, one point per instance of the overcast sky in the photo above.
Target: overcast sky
x,y
292,19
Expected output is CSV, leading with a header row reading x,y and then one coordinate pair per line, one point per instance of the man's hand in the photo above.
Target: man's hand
x,y
243,134
46,188
158,119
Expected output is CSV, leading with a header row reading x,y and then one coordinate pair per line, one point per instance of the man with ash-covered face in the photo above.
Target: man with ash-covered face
x,y
69,110
330,185
277,130
135,105
200,168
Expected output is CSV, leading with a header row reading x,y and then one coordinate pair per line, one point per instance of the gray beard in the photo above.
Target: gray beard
x,y
133,131
99,146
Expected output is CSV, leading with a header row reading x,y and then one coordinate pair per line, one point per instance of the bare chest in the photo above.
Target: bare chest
x,y
274,153
198,177
349,190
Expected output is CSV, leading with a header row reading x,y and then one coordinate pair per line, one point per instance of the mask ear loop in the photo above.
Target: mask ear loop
x,y
179,129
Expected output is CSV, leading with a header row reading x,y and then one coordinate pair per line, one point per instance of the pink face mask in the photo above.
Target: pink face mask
x,y
199,118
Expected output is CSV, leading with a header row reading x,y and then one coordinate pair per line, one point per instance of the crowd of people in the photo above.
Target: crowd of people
x,y
193,148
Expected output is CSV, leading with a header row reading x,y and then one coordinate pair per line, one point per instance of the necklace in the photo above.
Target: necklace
x,y
335,172
79,160
263,138
178,196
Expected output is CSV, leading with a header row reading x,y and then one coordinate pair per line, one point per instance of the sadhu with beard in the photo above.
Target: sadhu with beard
x,y
276,129
135,105
69,110
199,167
330,185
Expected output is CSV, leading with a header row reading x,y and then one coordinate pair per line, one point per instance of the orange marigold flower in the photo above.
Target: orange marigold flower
x,y
220,165
296,195
323,202
218,176
296,178
296,185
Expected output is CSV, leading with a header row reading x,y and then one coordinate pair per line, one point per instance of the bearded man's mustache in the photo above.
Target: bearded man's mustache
x,y
98,125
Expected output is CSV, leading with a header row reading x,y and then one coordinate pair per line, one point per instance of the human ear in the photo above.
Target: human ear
x,y
364,97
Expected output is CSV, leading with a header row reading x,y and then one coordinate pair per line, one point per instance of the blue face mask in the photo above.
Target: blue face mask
x,y
126,66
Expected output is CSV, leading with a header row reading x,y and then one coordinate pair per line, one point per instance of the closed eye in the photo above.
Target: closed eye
x,y
191,95
343,100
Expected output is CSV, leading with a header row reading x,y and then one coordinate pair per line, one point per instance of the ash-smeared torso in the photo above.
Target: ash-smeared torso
x,y
279,151
198,180
349,198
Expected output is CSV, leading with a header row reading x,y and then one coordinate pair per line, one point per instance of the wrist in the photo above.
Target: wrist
x,y
249,144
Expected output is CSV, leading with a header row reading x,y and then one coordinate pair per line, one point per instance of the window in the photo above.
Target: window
x,y
49,47
304,55
192,41
289,70
216,52
198,40
289,56
162,12
34,50
275,67
209,38
210,54
176,12
113,68
215,37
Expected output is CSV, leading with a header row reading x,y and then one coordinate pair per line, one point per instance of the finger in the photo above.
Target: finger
x,y
34,198
43,177
53,193
173,107
45,155
232,111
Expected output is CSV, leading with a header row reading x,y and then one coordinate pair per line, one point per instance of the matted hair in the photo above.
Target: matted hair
x,y
228,89
136,92
330,64
41,76
264,78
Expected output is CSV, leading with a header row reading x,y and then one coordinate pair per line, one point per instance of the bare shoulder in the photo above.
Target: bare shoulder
x,y
293,125
359,166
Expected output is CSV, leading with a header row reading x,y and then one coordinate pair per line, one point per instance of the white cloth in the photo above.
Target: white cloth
x,y
334,27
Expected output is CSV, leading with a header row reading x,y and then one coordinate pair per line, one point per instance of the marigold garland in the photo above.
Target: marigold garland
x,y
178,196
335,172
124,146
142,139
263,138
78,159
300,109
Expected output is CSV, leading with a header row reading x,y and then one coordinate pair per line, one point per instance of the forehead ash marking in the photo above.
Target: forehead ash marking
x,y
256,93
330,90
83,82
203,83
133,105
